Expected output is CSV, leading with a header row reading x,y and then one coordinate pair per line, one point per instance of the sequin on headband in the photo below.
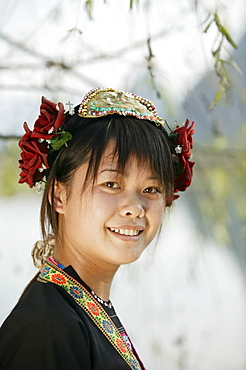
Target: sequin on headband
x,y
104,101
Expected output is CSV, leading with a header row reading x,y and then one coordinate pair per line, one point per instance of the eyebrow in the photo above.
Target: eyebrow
x,y
111,170
121,173
152,178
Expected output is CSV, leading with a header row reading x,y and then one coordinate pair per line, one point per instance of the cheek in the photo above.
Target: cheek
x,y
157,213
103,203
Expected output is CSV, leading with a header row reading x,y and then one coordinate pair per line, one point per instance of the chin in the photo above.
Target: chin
x,y
130,259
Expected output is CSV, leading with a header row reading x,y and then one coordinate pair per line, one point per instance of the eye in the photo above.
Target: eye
x,y
111,185
152,190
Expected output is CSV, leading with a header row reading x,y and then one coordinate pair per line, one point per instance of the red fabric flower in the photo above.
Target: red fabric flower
x,y
35,144
184,142
33,156
49,120
184,137
183,181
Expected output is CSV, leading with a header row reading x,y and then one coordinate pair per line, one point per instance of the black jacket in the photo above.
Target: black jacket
x,y
48,330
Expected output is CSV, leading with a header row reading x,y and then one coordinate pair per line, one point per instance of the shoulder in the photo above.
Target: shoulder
x,y
44,325
46,307
45,301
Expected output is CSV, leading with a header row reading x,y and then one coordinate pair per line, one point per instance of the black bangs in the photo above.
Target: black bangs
x,y
132,137
135,138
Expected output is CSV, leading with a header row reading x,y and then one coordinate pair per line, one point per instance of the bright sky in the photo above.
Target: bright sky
x,y
182,55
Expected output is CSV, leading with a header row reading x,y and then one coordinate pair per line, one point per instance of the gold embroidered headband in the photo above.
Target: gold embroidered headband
x,y
104,101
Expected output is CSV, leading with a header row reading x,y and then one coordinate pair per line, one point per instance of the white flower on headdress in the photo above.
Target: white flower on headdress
x,y
178,149
42,168
39,187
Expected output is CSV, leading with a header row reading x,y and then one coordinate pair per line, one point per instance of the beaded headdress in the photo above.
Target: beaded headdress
x,y
104,101
49,132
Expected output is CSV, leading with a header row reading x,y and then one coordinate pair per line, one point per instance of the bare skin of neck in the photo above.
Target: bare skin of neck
x,y
98,278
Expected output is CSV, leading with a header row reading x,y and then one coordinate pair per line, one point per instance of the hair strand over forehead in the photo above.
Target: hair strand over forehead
x,y
132,138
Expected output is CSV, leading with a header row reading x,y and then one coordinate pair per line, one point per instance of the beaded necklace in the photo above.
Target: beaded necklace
x,y
101,301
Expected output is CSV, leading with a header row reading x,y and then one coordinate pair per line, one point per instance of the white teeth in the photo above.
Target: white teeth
x,y
125,231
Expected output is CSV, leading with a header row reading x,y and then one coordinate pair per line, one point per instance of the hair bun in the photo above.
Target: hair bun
x,y
42,250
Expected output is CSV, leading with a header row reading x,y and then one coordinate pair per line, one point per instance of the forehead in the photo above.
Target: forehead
x,y
110,160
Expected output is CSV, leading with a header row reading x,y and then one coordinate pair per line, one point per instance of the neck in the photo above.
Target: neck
x,y
98,278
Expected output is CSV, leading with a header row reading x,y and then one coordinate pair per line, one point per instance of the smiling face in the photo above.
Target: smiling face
x,y
112,222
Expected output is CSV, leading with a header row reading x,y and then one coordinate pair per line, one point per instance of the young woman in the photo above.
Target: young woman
x,y
109,170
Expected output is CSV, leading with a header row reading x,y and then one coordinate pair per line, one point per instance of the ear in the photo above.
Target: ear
x,y
59,197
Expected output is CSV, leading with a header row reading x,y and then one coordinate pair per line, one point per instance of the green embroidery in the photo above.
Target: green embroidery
x,y
115,109
53,274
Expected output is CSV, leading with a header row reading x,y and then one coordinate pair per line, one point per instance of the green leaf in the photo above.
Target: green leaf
x,y
131,3
172,135
89,5
216,99
208,26
75,29
59,140
233,62
224,31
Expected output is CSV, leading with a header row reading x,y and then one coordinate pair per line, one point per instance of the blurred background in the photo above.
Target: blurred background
x,y
184,302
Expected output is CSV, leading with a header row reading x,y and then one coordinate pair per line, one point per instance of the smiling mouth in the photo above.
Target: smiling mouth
x,y
126,232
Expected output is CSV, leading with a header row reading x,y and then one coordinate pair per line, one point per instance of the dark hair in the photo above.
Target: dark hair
x,y
90,136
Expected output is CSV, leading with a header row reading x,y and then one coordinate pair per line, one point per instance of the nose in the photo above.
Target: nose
x,y
132,207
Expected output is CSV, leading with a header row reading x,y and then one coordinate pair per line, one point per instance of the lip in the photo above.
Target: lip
x,y
128,227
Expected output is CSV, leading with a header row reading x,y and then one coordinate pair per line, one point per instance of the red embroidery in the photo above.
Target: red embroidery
x,y
58,279
93,308
121,345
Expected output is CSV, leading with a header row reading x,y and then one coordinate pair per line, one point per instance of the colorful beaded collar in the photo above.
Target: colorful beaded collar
x,y
51,273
